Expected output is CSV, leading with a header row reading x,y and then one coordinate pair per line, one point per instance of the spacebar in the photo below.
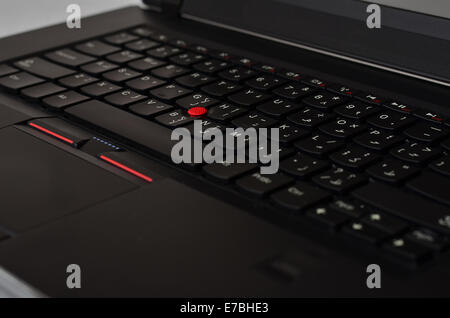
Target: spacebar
x,y
408,206
119,122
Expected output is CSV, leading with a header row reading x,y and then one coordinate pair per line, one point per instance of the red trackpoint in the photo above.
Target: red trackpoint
x,y
197,111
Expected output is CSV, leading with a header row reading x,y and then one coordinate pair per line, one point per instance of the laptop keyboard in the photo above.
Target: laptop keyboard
x,y
371,169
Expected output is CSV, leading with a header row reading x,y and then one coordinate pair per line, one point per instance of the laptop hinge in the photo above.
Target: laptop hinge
x,y
168,7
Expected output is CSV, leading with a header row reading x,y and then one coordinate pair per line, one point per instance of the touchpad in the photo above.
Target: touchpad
x,y
39,182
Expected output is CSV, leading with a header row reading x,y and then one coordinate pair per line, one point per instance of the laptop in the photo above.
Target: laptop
x,y
94,204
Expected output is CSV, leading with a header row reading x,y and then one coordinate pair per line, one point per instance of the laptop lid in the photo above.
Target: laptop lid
x,y
413,38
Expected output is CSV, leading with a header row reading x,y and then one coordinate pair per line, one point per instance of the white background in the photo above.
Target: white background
x,y
23,15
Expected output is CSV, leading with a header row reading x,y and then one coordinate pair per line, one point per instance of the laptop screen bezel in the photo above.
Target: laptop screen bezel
x,y
415,51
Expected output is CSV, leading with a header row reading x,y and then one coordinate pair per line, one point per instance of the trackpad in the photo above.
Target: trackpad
x,y
40,183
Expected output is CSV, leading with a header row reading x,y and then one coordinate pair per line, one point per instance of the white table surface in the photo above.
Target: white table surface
x,y
23,15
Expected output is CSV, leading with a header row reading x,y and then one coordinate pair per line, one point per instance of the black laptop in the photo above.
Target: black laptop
x,y
93,205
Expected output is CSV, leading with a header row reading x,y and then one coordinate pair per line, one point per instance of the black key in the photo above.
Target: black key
x,y
249,97
194,80
169,92
302,165
187,58
225,172
278,107
221,88
290,75
365,232
399,107
341,89
244,61
369,98
294,91
356,110
427,132
392,170
20,80
338,179
146,64
206,128
319,144
164,51
159,37
43,68
42,90
141,45
384,222
406,205
69,57
254,120
196,100
265,68
310,117
265,82
100,88
327,217
150,107
124,57
77,80
143,31
262,153
6,70
211,66
299,196
262,184
221,55
431,185
124,98
97,48
170,71
144,83
324,100
120,38
348,207
354,157
237,74
288,133
121,74
179,43
378,139
64,99
225,111
415,152
441,165
434,117
314,82
174,118
120,122
342,128
99,67
199,48
428,238
407,249
390,120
